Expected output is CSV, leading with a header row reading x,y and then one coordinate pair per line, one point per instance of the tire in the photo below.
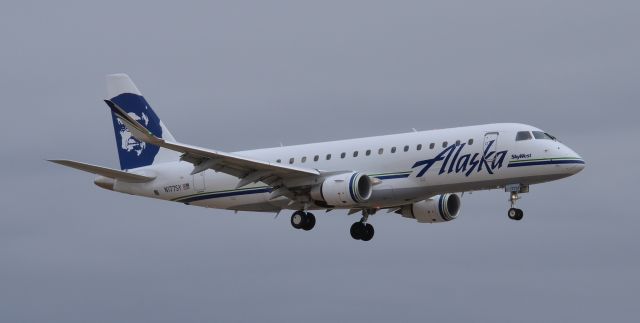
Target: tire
x,y
519,215
515,214
309,222
298,219
512,213
357,230
368,232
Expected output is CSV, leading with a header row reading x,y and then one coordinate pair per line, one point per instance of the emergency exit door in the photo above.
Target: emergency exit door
x,y
199,182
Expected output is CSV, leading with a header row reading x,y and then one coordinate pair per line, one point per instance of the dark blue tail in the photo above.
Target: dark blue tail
x,y
132,152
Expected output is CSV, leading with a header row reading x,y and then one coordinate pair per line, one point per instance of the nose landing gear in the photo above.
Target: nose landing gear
x,y
515,214
514,189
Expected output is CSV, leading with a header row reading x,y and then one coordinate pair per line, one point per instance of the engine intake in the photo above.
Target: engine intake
x,y
440,208
343,189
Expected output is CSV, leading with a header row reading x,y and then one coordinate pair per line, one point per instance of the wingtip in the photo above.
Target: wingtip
x,y
63,162
112,106
139,131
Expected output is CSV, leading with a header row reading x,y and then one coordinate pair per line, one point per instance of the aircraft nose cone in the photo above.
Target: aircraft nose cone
x,y
575,164
579,166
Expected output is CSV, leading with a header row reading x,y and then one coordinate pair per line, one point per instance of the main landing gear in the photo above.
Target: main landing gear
x,y
303,220
362,230
515,213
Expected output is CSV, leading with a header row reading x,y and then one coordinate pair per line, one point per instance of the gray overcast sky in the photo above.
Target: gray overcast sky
x,y
237,75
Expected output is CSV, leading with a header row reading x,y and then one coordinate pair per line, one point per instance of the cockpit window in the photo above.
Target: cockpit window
x,y
523,135
543,135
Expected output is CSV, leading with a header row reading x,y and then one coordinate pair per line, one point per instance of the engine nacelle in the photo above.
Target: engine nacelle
x,y
343,189
440,208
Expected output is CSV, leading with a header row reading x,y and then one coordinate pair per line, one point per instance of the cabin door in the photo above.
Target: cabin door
x,y
490,146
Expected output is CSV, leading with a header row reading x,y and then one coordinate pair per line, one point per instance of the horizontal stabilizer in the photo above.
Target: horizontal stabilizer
x,y
104,171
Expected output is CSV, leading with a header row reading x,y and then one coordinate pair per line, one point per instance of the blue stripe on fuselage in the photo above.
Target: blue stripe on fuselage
x,y
546,162
214,195
392,176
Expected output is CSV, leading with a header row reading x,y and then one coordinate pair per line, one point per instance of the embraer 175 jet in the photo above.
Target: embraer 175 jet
x,y
417,175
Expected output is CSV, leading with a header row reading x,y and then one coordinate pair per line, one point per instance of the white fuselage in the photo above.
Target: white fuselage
x,y
410,167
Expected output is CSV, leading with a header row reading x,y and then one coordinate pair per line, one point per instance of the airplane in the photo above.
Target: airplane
x,y
419,175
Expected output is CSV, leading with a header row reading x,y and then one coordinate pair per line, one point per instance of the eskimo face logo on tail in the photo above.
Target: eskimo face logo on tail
x,y
127,141
134,153
453,162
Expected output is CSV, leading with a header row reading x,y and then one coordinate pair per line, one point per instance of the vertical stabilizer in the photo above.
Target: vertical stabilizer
x,y
132,152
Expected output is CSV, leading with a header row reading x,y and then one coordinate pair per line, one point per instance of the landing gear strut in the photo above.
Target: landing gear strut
x,y
362,230
303,220
515,213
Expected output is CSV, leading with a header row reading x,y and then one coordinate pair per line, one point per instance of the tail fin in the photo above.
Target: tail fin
x,y
132,152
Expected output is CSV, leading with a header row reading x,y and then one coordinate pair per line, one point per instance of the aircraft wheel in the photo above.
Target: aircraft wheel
x,y
368,232
515,214
357,230
298,219
309,221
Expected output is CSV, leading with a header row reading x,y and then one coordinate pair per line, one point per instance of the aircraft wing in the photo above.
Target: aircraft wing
x,y
104,171
249,170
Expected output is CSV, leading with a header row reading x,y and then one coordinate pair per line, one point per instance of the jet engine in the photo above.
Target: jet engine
x,y
440,208
343,189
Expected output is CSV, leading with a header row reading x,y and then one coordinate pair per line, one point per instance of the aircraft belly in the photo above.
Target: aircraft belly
x,y
493,183
233,201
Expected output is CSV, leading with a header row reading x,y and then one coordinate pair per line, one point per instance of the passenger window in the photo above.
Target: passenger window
x,y
355,153
368,152
343,155
304,159
525,135
291,160
279,161
393,150
380,151
419,147
328,156
457,142
406,148
445,144
470,142
432,145
316,157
